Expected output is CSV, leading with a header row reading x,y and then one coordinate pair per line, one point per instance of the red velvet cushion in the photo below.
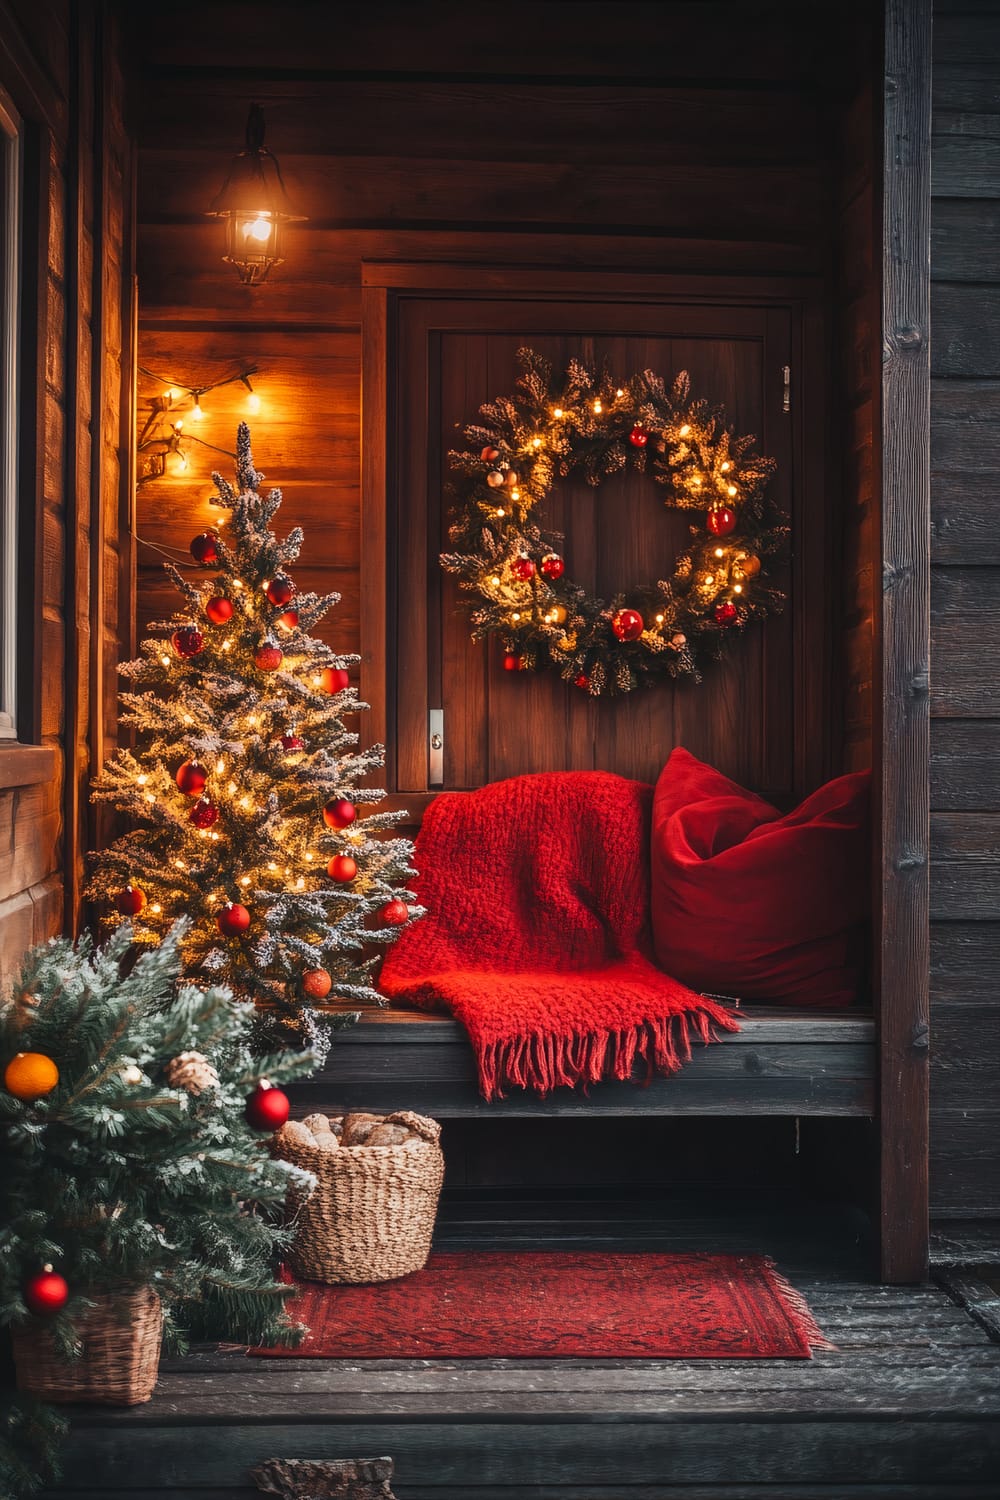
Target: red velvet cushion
x,y
747,902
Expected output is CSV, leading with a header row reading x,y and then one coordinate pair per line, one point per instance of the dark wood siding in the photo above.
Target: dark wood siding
x,y
965,552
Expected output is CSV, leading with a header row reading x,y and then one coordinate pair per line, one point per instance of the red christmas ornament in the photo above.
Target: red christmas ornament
x,y
334,679
721,520
512,663
292,742
267,1108
316,983
269,658
582,681
289,619
191,778
342,867
233,919
627,624
724,613
511,479
522,567
552,565
219,609
45,1292
204,813
130,901
494,479
280,590
638,437
187,641
339,813
489,455
394,913
205,548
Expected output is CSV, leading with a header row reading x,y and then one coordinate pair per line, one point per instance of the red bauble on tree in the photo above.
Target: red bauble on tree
x,y
725,613
288,619
638,437
219,609
513,663
292,742
268,658
523,568
45,1292
721,520
267,1108
395,913
339,813
205,548
204,813
233,920
130,901
627,624
334,679
489,455
191,778
316,983
187,641
342,867
552,565
494,479
280,590
511,479
582,681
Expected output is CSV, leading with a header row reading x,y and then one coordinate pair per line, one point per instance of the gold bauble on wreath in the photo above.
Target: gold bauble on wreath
x,y
517,581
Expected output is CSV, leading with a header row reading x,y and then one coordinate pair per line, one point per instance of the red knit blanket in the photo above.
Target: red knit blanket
x,y
537,934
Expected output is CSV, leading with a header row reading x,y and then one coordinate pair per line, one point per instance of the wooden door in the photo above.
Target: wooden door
x,y
761,715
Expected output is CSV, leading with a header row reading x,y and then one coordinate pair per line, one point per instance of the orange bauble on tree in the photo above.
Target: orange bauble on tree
x,y
30,1075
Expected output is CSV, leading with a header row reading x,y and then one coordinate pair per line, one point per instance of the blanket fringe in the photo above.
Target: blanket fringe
x,y
546,1060
809,1328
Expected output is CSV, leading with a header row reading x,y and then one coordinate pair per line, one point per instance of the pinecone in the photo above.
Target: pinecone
x,y
191,1071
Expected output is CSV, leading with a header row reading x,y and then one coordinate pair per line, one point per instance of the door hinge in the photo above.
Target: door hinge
x,y
786,388
435,747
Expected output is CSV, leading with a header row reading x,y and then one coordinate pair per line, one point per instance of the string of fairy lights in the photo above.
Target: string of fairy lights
x,y
164,435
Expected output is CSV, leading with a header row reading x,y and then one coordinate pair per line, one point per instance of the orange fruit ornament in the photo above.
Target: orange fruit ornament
x,y
30,1075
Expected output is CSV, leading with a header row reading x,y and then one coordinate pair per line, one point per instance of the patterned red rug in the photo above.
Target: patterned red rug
x,y
562,1305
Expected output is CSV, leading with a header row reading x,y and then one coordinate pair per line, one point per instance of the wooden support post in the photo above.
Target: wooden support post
x,y
330,1479
902,751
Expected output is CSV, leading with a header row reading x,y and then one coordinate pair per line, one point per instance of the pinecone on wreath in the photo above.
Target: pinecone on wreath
x,y
191,1071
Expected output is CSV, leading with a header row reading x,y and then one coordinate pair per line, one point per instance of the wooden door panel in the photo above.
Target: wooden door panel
x,y
453,354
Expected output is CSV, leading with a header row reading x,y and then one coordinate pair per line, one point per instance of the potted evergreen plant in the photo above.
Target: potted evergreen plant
x,y
139,1195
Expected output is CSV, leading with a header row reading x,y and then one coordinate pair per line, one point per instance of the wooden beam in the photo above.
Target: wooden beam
x,y
903,732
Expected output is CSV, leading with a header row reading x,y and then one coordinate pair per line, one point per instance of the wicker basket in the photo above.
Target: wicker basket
x,y
371,1216
120,1340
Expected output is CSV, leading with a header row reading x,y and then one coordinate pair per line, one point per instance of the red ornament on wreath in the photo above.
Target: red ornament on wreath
x,y
268,658
204,813
339,813
191,778
187,641
523,568
512,663
267,1108
205,548
342,868
638,437
334,679
316,983
233,920
130,901
394,913
721,520
552,565
280,590
45,1292
219,609
725,613
627,624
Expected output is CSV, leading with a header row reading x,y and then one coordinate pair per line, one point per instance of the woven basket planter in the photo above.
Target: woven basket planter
x,y
119,1360
372,1214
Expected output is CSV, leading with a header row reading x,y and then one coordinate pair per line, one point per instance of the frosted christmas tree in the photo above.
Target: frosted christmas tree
x,y
244,795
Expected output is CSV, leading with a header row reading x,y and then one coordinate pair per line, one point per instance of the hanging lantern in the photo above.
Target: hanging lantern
x,y
255,206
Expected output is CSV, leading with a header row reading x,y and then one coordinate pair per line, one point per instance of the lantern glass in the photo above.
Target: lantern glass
x,y
254,243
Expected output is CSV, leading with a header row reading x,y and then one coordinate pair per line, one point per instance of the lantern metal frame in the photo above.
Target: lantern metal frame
x,y
254,203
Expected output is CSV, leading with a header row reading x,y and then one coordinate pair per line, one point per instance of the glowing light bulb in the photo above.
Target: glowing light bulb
x,y
237,583
188,719
515,617
215,836
316,679
227,644
619,393
182,463
501,511
287,870
300,884
258,229
272,865
142,779
536,442
220,766
197,410
598,408
737,588
244,881
156,908
165,660
309,859
179,864
170,396
726,467
685,429
150,797
245,802
253,403
709,579
495,580
515,494
719,552
178,425
558,412
232,788
659,619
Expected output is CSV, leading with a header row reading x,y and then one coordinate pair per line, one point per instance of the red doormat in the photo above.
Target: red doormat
x,y
557,1304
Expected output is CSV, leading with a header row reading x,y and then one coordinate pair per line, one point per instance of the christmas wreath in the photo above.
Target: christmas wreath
x,y
516,574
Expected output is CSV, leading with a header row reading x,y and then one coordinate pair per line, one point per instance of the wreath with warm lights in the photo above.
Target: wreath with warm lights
x,y
514,571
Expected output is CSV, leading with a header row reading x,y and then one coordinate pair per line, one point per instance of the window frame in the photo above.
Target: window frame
x,y
11,223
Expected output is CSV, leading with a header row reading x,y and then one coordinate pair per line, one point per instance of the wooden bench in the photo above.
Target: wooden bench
x,y
782,1062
